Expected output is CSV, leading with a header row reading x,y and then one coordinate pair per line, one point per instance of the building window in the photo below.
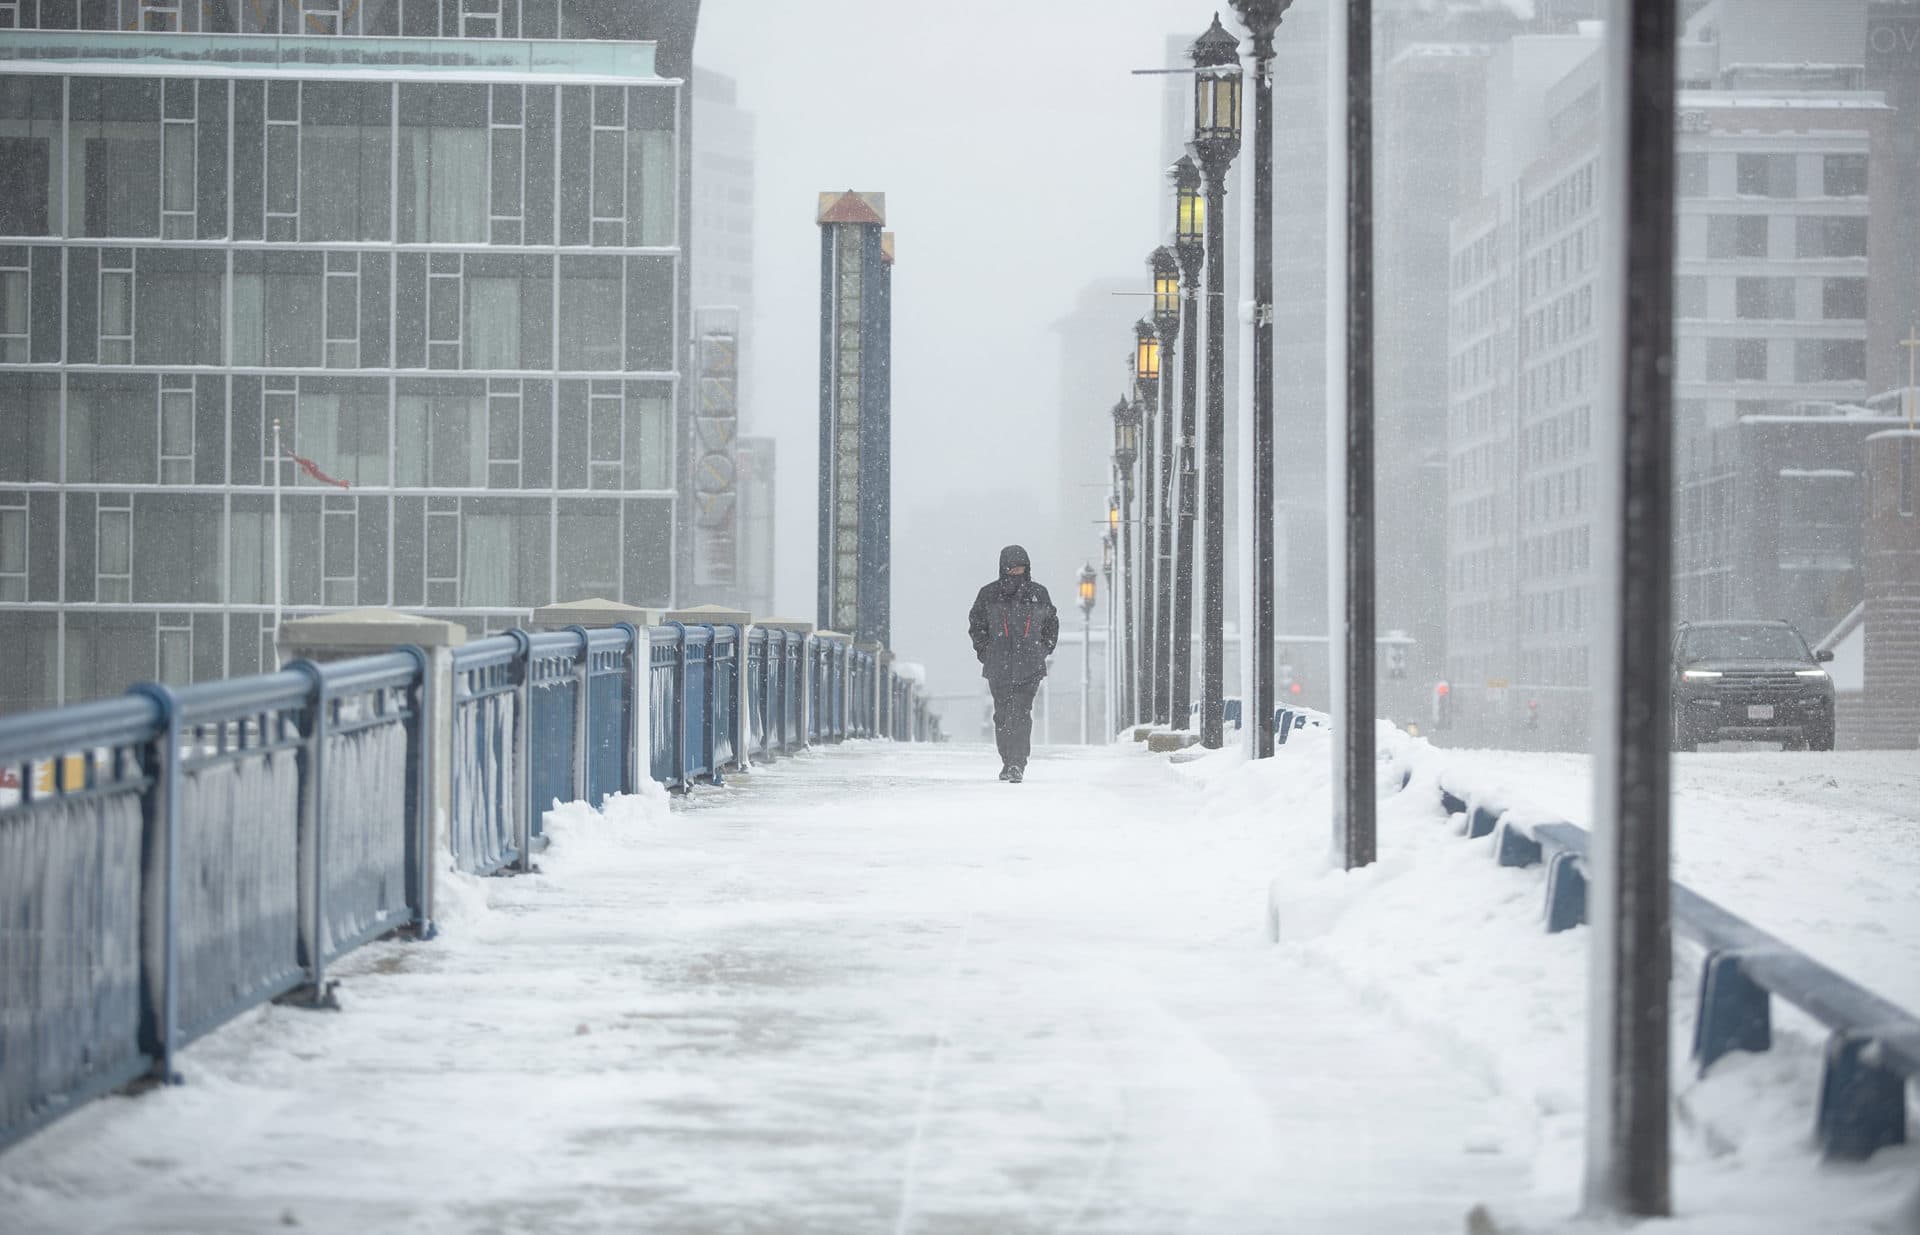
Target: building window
x,y
114,172
113,552
29,428
591,329
13,550
177,314
508,313
283,160
1763,299
1830,360
1689,299
278,309
1737,235
31,145
441,436
507,144
443,164
341,424
346,160
1843,298
115,293
1736,360
1690,174
1846,175
1766,175
1831,236
176,431
15,283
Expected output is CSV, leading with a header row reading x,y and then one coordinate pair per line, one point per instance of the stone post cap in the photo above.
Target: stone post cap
x,y
591,612
838,636
370,629
709,615
791,625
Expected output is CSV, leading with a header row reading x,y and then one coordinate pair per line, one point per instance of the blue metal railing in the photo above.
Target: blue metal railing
x,y
177,856
1873,1051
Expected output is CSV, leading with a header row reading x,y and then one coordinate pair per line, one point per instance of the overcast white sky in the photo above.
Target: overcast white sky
x,y
1020,162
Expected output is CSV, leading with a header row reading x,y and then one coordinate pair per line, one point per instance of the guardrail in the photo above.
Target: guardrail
x,y
176,856
1873,1046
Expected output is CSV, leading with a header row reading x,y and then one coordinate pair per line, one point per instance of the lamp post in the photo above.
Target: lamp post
x,y
1086,648
1261,18
1126,452
1166,327
1190,220
1106,568
1216,139
1146,393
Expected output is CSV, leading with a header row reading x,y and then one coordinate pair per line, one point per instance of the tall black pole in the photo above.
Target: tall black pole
x,y
1261,17
1355,824
1163,573
1213,487
1190,255
1147,395
1216,139
1628,1096
1127,569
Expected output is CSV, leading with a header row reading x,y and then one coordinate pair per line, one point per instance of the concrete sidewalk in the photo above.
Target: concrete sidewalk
x,y
868,990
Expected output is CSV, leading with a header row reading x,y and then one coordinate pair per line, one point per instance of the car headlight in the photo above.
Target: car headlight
x,y
1695,675
1810,673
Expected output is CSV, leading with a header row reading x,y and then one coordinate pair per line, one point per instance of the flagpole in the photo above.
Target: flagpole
x,y
276,529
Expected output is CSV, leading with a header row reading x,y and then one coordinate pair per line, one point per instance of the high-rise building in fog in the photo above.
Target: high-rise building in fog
x,y
720,262
1779,242
449,266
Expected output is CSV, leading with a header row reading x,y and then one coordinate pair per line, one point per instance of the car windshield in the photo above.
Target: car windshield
x,y
1743,643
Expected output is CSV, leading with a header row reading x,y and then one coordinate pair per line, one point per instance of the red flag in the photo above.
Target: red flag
x,y
313,469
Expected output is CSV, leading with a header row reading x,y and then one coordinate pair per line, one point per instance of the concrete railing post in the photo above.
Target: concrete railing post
x,y
368,632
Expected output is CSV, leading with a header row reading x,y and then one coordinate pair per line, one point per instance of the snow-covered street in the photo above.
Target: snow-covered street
x,y
875,990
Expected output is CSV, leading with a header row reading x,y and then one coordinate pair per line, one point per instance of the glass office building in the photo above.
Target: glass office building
x,y
438,243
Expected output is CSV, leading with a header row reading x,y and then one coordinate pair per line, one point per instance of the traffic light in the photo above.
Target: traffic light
x,y
1442,705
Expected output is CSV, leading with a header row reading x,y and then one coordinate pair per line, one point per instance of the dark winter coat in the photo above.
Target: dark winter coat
x,y
1013,624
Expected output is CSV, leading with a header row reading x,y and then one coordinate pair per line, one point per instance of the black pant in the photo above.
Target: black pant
x,y
1013,720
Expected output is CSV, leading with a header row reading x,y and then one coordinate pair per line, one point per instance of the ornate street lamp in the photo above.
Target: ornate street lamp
x,y
1126,452
1146,393
1166,325
1086,649
1216,139
1190,213
1146,353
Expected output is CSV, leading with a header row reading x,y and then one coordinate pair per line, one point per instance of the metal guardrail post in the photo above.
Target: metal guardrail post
x,y
639,746
679,705
522,674
160,1021
313,821
420,730
583,717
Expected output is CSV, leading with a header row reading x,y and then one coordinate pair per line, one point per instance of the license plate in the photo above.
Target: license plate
x,y
1759,711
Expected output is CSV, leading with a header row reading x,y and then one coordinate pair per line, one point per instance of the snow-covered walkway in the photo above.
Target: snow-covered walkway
x,y
871,990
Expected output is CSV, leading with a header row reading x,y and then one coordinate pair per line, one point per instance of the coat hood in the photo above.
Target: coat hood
x,y
1011,556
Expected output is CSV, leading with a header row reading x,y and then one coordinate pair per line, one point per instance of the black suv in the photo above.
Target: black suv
x,y
1753,681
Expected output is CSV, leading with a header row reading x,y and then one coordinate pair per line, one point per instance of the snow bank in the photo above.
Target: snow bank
x,y
1454,946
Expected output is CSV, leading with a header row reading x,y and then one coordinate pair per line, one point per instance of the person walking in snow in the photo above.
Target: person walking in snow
x,y
1013,626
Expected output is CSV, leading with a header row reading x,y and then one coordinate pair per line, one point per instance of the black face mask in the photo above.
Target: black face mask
x,y
1009,584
